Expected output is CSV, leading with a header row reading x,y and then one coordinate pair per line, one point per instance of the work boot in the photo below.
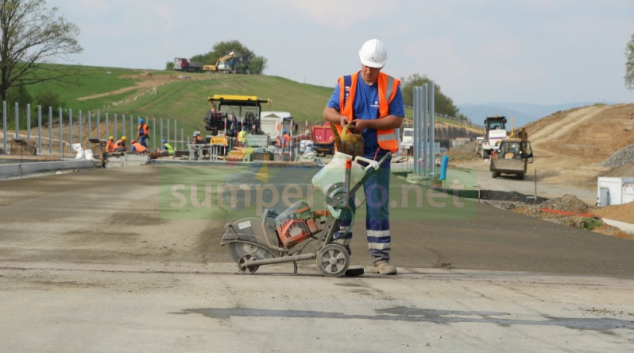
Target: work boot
x,y
383,268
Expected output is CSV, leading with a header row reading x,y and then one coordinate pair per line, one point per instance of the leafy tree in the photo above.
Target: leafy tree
x,y
33,35
257,65
244,56
442,103
629,64
169,66
49,99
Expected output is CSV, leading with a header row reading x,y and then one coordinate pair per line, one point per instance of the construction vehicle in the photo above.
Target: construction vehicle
x,y
407,142
323,139
286,237
182,64
226,64
512,155
495,132
233,112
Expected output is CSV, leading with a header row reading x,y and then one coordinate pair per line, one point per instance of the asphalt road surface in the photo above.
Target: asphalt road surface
x,y
90,263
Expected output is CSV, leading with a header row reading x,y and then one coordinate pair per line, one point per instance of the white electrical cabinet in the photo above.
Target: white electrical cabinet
x,y
614,191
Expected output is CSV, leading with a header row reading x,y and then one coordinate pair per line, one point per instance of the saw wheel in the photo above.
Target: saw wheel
x,y
333,260
247,269
242,251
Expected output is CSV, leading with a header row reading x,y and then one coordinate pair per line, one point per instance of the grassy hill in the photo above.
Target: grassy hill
x,y
182,96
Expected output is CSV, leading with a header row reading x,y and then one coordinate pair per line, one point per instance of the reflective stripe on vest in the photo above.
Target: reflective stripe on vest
x,y
387,90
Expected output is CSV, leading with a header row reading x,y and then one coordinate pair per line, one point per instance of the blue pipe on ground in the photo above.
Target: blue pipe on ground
x,y
443,167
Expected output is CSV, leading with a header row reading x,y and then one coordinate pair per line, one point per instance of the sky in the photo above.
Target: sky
x,y
479,51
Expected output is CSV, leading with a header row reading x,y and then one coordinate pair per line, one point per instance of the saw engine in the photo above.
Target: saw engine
x,y
296,224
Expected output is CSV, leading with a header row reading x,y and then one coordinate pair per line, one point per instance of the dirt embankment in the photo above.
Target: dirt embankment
x,y
570,146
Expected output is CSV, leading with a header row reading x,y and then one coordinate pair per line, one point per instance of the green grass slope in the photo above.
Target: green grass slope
x,y
183,96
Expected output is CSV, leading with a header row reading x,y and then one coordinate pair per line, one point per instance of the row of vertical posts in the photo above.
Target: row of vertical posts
x,y
424,134
153,131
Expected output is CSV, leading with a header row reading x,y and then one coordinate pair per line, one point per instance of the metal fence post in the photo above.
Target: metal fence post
x,y
39,128
161,132
98,125
425,129
131,127
175,133
154,133
417,129
28,122
107,127
168,130
182,138
115,128
61,133
17,121
50,129
123,125
70,129
89,124
4,126
432,134
80,132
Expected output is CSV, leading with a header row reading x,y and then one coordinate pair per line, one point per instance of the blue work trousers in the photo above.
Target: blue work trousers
x,y
377,223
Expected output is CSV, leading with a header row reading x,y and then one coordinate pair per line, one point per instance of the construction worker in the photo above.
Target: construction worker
x,y
110,147
285,140
120,145
143,133
372,101
242,136
137,147
167,148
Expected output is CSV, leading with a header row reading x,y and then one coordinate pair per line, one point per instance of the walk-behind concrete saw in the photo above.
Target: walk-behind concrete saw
x,y
286,237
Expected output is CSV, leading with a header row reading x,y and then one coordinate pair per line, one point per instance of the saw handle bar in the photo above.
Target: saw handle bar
x,y
372,163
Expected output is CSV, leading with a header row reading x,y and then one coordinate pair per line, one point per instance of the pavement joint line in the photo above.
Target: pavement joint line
x,y
430,274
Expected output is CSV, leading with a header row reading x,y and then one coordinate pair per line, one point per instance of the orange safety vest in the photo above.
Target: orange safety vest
x,y
387,90
110,146
287,139
139,148
143,129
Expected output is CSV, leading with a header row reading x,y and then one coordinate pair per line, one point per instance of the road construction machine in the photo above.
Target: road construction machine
x,y
512,155
232,112
226,64
495,132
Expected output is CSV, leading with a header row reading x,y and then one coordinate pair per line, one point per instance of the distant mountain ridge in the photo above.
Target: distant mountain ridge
x,y
522,113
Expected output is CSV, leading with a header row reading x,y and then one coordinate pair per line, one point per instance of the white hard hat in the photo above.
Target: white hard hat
x,y
373,53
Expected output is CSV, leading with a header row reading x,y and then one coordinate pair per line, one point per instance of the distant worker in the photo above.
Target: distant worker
x,y
144,133
242,136
137,147
120,145
110,147
286,140
167,149
197,138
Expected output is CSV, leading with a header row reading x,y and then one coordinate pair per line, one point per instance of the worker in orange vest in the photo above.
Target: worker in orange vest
x,y
137,147
110,147
120,145
143,133
372,101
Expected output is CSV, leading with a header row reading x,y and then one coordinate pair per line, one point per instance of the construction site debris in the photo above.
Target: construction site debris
x,y
620,157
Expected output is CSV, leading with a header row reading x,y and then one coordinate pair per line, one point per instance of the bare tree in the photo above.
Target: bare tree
x,y
32,37
629,64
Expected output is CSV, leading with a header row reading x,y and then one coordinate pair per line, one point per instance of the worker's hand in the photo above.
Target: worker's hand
x,y
358,125
344,121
